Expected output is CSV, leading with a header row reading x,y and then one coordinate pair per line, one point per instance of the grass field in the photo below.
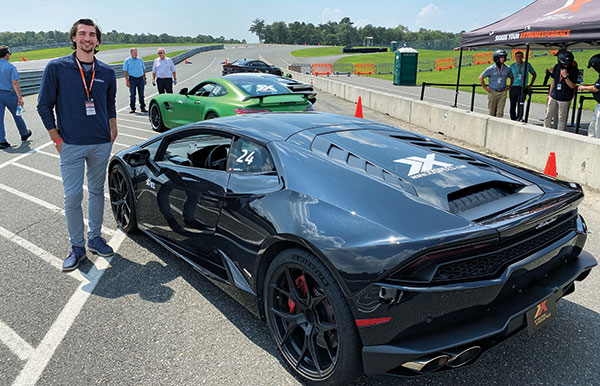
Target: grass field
x,y
470,74
49,53
318,51
152,57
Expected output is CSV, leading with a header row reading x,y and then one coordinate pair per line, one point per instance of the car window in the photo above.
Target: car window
x,y
152,148
203,89
251,157
260,64
200,150
218,90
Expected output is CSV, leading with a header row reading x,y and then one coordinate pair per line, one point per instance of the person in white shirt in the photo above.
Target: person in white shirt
x,y
163,73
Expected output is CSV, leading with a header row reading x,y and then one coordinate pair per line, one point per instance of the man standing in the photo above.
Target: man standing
x,y
163,73
594,63
82,91
10,97
564,77
135,77
518,88
497,74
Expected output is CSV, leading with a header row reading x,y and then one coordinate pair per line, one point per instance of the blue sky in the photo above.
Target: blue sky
x,y
233,18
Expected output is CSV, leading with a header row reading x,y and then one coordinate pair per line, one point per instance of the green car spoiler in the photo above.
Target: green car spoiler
x,y
261,97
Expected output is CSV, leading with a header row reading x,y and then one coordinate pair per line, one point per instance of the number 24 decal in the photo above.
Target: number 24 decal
x,y
245,157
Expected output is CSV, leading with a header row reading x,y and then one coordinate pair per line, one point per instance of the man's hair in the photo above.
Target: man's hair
x,y
131,49
3,51
89,22
519,53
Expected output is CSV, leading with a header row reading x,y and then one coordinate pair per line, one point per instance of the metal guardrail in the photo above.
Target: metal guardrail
x,y
31,80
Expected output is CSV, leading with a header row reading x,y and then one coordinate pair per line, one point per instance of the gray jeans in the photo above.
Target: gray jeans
x,y
73,160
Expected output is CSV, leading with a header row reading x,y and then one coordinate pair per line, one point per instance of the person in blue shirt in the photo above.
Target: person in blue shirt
x,y
497,73
135,78
518,88
10,97
82,90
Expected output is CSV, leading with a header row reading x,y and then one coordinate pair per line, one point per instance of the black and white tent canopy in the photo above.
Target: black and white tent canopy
x,y
543,24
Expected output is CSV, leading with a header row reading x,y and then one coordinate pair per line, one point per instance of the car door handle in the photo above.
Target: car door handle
x,y
197,102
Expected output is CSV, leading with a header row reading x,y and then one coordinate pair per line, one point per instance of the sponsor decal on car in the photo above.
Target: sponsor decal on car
x,y
422,167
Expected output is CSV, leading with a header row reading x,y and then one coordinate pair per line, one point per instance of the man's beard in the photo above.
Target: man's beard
x,y
87,50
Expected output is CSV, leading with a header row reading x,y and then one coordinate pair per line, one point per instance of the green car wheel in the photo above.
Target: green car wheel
x,y
156,118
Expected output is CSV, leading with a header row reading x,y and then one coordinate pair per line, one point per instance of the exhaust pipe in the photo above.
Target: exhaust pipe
x,y
463,357
427,364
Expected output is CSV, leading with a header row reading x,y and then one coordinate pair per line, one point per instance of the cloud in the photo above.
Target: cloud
x,y
330,14
429,12
361,22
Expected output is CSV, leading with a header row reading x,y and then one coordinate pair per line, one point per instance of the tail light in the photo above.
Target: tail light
x,y
310,108
250,111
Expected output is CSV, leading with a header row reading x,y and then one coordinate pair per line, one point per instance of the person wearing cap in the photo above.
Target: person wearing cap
x,y
518,88
163,73
594,63
562,87
10,97
497,73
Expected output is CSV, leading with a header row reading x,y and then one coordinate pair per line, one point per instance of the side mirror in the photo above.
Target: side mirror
x,y
183,91
137,158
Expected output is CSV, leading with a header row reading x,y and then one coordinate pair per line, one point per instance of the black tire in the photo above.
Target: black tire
x,y
155,117
121,199
309,318
211,115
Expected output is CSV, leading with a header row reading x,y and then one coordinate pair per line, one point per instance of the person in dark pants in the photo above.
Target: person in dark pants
x,y
518,88
163,73
135,77
10,97
82,90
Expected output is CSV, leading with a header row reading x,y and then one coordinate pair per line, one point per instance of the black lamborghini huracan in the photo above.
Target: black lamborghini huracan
x,y
366,248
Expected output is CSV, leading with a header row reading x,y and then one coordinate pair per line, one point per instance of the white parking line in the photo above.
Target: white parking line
x,y
137,128
133,136
132,121
15,343
13,160
47,205
39,359
39,252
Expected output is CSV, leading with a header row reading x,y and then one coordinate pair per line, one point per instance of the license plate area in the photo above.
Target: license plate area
x,y
542,313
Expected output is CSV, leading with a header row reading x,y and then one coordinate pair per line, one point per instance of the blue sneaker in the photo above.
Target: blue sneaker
x,y
72,261
98,246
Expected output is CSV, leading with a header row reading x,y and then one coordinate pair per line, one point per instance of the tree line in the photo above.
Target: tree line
x,y
344,33
31,38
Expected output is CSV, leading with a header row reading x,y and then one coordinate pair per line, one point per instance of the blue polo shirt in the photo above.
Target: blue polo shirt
x,y
134,67
62,90
518,71
498,76
8,73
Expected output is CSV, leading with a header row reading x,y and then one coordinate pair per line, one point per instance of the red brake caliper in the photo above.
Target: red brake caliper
x,y
301,284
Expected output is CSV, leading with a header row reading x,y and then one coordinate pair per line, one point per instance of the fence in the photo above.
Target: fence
x,y
364,69
485,58
321,69
31,80
444,64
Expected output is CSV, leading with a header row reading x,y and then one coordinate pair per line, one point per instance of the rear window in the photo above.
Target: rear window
x,y
257,86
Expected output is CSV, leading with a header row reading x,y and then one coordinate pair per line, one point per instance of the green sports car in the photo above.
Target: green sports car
x,y
223,96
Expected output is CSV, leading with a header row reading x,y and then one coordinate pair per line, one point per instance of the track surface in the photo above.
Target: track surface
x,y
146,317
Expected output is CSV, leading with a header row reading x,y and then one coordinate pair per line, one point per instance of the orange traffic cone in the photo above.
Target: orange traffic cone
x,y
226,61
550,169
185,61
359,113
23,58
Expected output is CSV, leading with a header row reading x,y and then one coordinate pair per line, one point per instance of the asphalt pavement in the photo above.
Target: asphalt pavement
x,y
146,317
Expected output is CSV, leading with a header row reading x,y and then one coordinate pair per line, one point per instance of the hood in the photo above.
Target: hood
x,y
442,176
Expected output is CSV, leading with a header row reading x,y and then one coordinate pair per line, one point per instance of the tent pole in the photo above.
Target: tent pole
x,y
458,77
521,106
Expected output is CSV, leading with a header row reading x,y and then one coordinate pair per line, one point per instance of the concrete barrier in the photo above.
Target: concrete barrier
x,y
576,155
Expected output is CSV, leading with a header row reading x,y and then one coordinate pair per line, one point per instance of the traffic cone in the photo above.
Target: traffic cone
x,y
226,61
358,113
550,169
185,61
23,58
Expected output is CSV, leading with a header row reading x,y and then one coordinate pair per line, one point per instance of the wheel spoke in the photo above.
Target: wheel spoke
x,y
324,327
312,348
290,318
295,294
303,352
328,348
283,292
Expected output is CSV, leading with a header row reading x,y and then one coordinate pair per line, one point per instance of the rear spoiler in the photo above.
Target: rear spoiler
x,y
261,97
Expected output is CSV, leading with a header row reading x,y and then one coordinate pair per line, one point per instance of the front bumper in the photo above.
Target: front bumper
x,y
433,320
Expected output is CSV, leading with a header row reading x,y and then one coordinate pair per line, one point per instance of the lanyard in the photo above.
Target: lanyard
x,y
499,69
87,91
519,68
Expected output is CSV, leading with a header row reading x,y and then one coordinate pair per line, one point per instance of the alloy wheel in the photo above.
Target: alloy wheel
x,y
120,198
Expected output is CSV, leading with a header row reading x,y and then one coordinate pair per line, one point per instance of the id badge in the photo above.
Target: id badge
x,y
559,86
520,76
90,109
499,80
